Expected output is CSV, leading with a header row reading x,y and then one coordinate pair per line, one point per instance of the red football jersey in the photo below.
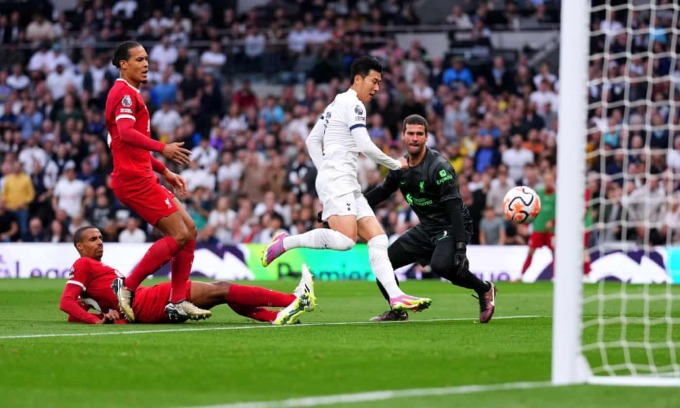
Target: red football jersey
x,y
95,279
130,163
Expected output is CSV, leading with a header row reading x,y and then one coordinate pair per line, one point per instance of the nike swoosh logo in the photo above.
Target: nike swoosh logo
x,y
403,182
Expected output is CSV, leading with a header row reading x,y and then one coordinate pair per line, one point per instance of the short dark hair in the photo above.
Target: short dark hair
x,y
363,65
78,235
415,120
122,52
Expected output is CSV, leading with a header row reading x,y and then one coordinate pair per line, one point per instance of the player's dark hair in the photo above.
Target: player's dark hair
x,y
122,52
415,120
363,65
78,235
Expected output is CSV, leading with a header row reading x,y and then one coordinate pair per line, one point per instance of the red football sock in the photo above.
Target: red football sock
x,y
258,313
180,271
257,296
586,267
527,262
158,254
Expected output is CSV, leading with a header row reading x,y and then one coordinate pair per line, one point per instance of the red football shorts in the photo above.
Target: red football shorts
x,y
149,302
150,200
539,239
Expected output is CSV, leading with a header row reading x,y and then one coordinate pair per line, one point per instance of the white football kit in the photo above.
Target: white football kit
x,y
334,145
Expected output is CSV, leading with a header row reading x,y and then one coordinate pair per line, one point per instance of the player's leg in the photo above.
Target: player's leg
x,y
401,253
535,242
183,228
369,229
442,264
208,295
155,205
342,220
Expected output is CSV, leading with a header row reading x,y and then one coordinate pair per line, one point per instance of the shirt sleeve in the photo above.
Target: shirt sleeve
x,y
314,142
124,109
445,177
70,304
356,119
384,190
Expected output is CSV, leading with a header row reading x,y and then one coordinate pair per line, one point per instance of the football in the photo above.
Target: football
x,y
521,205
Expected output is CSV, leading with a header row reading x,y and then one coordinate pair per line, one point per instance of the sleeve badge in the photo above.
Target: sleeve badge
x,y
127,101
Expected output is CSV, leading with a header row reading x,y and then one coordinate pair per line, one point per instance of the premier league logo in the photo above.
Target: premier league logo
x,y
358,110
127,101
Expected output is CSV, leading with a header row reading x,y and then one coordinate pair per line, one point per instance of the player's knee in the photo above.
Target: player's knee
x,y
378,241
442,268
345,243
222,287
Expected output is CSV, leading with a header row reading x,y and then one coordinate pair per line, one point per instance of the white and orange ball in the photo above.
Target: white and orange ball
x,y
521,205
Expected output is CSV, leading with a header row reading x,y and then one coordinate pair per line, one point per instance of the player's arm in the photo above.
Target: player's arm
x,y
383,191
314,143
124,109
356,119
71,305
449,193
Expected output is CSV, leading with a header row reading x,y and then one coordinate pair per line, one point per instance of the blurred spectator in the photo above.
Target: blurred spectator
x,y
35,233
516,158
9,227
132,234
39,29
491,228
69,191
457,74
165,122
17,194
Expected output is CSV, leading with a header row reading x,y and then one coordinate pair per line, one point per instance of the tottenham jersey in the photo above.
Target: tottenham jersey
x,y
339,136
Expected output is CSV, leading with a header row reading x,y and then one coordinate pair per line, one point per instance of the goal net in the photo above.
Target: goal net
x,y
619,121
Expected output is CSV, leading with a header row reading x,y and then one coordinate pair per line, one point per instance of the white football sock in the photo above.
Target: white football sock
x,y
321,238
381,266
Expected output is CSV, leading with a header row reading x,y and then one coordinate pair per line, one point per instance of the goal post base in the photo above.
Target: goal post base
x,y
634,381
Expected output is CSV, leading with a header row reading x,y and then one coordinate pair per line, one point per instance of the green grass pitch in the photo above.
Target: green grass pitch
x,y
230,359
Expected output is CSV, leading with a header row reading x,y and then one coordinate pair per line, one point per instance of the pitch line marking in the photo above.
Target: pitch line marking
x,y
263,326
383,395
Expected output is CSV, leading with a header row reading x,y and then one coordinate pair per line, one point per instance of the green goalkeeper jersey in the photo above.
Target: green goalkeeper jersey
x,y
547,212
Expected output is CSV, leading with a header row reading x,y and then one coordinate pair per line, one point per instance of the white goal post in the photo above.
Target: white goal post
x,y
569,362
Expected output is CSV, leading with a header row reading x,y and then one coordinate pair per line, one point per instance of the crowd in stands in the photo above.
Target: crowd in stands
x,y
250,174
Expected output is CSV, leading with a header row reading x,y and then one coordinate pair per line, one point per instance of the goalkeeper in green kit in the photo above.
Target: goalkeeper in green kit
x,y
430,187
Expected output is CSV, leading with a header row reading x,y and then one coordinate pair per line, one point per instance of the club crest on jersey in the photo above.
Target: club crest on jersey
x,y
127,101
358,110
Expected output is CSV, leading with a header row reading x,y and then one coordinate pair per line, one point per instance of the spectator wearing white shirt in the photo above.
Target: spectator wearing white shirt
x,y
126,8
297,38
39,30
221,218
165,121
59,80
57,57
32,152
545,74
499,187
69,191
254,45
516,157
40,60
610,26
204,154
544,98
18,80
673,156
214,59
164,53
321,34
196,177
159,23
132,234
230,171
